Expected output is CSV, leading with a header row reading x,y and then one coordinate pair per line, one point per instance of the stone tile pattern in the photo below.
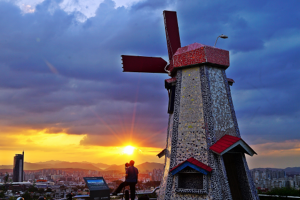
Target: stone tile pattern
x,y
164,180
219,187
223,122
231,104
202,104
198,53
191,132
217,56
167,182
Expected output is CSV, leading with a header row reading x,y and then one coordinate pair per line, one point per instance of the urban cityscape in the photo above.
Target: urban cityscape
x,y
58,183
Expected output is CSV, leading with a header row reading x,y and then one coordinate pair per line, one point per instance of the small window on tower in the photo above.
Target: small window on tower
x,y
190,180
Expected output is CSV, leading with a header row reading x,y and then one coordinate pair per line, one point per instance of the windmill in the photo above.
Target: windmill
x,y
204,154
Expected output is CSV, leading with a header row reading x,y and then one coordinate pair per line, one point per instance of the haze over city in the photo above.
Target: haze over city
x,y
63,95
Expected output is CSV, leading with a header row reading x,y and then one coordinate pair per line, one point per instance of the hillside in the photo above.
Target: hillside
x,y
6,166
116,168
144,167
149,167
54,165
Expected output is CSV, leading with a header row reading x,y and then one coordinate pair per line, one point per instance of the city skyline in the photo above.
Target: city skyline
x,y
63,95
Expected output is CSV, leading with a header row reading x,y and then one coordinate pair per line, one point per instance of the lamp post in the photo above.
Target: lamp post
x,y
220,36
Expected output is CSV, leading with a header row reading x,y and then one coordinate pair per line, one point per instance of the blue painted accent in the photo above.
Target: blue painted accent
x,y
188,164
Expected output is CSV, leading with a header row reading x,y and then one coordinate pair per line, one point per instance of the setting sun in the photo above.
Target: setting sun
x,y
128,150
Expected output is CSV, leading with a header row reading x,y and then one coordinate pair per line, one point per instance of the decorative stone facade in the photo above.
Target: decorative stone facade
x,y
203,113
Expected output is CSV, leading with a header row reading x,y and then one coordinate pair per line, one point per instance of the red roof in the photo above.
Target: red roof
x,y
224,143
194,162
171,80
199,54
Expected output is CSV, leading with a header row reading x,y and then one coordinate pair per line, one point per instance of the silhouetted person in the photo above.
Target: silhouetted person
x,y
131,179
69,196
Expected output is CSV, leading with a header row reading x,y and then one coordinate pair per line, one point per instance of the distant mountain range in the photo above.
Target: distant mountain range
x,y
53,164
144,167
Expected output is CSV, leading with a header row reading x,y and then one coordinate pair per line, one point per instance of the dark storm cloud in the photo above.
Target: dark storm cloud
x,y
59,74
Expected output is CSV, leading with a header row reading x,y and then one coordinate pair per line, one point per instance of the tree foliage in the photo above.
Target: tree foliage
x,y
2,195
27,196
32,189
284,192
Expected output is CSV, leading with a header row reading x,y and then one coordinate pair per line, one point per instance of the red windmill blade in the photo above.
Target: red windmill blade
x,y
172,32
156,64
143,64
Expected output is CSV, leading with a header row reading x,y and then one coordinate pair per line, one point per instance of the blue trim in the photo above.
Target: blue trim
x,y
188,164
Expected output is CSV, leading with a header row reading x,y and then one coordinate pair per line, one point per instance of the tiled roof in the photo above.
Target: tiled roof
x,y
225,142
193,163
200,54
230,81
199,164
171,80
229,142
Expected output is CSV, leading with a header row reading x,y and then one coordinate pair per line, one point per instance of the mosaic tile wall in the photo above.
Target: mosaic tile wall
x,y
231,104
167,181
191,132
163,183
223,123
203,113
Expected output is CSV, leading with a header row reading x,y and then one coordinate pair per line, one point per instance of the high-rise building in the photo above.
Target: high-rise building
x,y
18,171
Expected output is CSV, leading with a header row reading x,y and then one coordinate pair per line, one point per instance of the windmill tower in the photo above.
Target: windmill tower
x,y
204,154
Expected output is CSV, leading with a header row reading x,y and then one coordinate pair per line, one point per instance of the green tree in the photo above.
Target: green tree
x,y
35,197
6,178
32,189
2,195
27,196
2,187
49,190
41,190
284,192
12,198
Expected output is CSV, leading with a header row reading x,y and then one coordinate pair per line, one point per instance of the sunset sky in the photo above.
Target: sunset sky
x,y
63,95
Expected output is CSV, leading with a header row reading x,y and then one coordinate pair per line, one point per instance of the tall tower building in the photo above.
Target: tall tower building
x,y
18,171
